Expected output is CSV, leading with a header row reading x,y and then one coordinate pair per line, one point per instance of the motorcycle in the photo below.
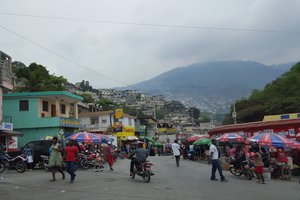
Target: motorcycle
x,y
45,163
143,170
87,160
18,162
239,168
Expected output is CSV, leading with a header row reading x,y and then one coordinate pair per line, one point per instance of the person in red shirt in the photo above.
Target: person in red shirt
x,y
71,155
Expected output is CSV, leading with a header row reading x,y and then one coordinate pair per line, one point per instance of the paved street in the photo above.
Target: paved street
x,y
189,181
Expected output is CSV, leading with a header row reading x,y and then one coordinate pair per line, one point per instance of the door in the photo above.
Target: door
x,y
53,110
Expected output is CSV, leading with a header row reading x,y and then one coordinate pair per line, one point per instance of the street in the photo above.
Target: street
x,y
189,181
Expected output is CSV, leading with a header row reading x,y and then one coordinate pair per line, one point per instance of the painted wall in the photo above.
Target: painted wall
x,y
36,134
21,118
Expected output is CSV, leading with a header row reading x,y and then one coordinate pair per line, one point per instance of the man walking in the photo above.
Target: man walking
x,y
71,155
176,152
215,162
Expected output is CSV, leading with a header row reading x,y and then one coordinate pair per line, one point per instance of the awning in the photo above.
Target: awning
x,y
10,133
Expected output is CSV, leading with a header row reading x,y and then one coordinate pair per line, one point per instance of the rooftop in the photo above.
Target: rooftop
x,y
42,94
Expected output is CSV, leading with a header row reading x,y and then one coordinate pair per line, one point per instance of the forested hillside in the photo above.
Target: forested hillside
x,y
280,96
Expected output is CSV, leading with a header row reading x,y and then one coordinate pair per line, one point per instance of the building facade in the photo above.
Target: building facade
x,y
40,114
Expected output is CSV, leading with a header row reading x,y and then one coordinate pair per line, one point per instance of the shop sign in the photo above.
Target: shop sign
x,y
119,113
7,126
12,142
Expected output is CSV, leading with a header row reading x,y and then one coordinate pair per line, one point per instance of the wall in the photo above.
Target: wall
x,y
36,134
58,110
21,118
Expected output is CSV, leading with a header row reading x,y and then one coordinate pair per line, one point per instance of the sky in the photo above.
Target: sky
x,y
113,43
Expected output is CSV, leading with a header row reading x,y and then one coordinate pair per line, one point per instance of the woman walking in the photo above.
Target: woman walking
x,y
56,158
109,157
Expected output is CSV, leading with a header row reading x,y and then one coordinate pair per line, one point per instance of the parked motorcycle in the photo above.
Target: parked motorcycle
x,y
143,170
239,168
87,160
17,162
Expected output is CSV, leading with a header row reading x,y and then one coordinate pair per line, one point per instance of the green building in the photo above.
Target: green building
x,y
41,114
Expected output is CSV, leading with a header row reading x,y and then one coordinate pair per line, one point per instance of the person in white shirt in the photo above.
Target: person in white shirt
x,y
176,152
215,162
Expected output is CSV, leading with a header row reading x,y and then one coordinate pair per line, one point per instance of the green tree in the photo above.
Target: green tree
x,y
87,98
106,104
280,96
194,112
37,78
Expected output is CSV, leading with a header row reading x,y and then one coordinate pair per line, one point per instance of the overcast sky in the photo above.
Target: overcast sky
x,y
129,54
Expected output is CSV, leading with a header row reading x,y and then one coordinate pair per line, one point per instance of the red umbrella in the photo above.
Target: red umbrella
x,y
196,137
85,137
271,139
231,137
296,145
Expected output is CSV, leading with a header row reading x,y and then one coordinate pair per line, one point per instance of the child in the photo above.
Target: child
x,y
259,167
98,161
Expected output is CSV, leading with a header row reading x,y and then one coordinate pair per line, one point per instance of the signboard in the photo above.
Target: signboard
x,y
12,143
7,126
119,113
118,127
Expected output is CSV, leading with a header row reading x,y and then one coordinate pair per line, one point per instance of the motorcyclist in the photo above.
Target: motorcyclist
x,y
141,155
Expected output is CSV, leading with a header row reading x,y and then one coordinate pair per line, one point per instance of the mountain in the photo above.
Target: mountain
x,y
212,86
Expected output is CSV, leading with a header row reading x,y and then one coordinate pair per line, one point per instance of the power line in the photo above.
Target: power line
x,y
149,24
61,56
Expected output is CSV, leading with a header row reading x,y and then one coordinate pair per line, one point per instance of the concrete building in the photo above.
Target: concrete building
x,y
40,114
8,137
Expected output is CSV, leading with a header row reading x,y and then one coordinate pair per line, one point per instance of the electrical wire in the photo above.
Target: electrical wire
x,y
62,56
150,24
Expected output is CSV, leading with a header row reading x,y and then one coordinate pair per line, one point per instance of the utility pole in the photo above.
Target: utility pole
x,y
234,114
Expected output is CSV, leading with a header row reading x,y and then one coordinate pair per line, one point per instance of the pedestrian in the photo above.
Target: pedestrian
x,y
98,160
109,157
258,166
55,160
215,162
176,152
71,156
27,151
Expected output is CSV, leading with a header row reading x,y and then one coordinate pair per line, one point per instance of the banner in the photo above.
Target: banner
x,y
119,113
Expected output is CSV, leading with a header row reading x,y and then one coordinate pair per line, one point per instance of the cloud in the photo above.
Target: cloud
x,y
129,53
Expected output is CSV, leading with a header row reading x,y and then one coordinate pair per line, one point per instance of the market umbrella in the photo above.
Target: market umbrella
x,y
196,137
131,138
202,141
105,138
48,137
296,145
149,139
158,144
85,137
271,139
231,137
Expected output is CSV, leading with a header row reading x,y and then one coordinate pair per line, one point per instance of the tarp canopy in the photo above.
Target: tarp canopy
x,y
10,133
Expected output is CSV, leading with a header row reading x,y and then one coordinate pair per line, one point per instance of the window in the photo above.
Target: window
x,y
94,120
24,105
130,122
104,121
62,108
45,106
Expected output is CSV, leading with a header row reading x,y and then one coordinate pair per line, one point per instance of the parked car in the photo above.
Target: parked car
x,y
39,147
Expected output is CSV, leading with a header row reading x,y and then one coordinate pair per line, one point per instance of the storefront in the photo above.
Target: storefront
x,y
288,127
9,140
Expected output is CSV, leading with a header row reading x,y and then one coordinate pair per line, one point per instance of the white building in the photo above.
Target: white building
x,y
101,121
